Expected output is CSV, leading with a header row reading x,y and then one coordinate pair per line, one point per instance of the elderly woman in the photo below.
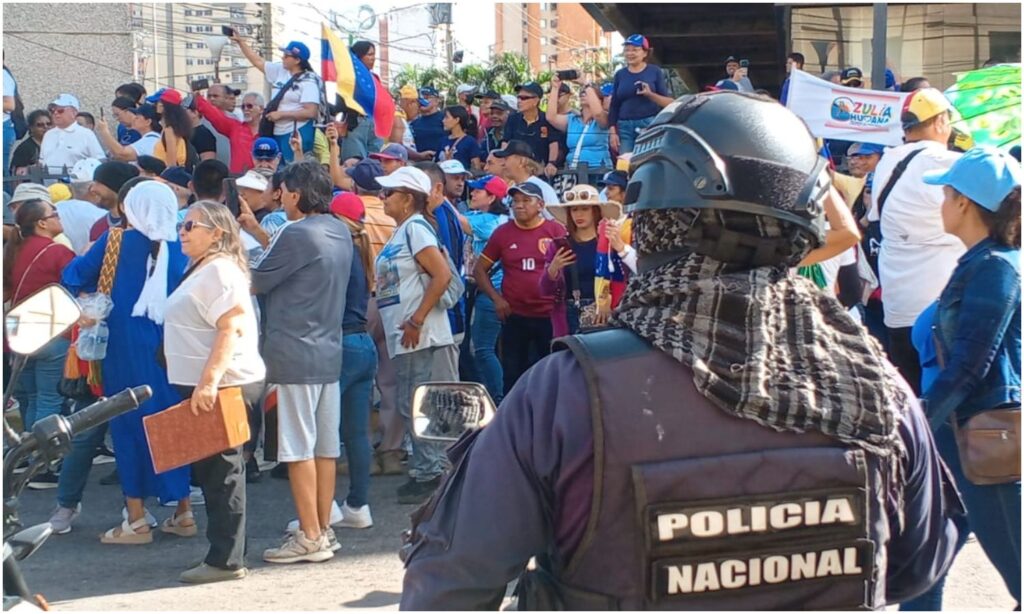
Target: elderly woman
x,y
211,343
147,263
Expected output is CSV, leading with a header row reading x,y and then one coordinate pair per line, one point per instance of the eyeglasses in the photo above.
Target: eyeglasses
x,y
580,195
49,217
190,225
526,97
249,105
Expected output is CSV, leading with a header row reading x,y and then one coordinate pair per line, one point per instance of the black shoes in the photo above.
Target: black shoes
x,y
252,471
414,493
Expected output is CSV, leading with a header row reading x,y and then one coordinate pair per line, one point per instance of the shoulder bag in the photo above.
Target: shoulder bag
x,y
455,288
17,291
267,126
874,229
988,443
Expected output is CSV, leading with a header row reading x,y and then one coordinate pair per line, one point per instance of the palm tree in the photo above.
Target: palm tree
x,y
509,70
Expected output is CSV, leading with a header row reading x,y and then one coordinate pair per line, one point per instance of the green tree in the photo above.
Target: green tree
x,y
509,70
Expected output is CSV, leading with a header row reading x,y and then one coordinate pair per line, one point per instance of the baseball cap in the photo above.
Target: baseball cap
x,y
393,151
366,173
265,148
429,91
348,205
637,40
532,87
176,175
617,178
59,192
232,91
453,167
865,149
297,49
922,105
145,110
731,60
501,105
252,180
83,169
114,174
492,184
515,147
984,174
491,94
849,75
529,189
66,100
465,88
408,92
169,96
151,164
28,191
409,178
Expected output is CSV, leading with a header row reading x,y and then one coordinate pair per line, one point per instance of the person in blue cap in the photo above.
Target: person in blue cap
x,y
970,341
428,128
639,92
266,153
296,96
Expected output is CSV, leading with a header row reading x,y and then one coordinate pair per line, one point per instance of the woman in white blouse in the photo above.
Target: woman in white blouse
x,y
210,342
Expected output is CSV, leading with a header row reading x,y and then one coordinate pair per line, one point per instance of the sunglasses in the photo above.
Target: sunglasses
x,y
526,97
580,195
190,225
49,217
249,105
388,192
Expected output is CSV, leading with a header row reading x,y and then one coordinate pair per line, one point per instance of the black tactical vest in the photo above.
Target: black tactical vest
x,y
697,509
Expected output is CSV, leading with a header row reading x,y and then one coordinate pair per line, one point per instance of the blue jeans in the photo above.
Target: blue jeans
x,y
993,514
359,367
485,330
428,459
308,134
36,388
628,130
8,145
75,468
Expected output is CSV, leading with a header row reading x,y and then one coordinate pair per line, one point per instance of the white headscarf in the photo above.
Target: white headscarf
x,y
152,209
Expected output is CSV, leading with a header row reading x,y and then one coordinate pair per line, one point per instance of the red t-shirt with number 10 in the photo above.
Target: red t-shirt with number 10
x,y
520,251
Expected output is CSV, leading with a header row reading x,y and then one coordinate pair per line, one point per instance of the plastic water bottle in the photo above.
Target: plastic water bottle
x,y
92,342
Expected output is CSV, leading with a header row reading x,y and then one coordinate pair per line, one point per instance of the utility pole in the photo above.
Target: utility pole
x,y
881,20
268,40
171,72
449,46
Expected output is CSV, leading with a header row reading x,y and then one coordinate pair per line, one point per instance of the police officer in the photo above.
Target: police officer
x,y
735,442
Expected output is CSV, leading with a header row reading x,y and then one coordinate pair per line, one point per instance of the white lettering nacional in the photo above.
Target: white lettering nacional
x,y
730,574
754,518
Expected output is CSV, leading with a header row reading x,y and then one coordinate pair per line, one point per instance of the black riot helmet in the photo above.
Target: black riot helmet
x,y
743,155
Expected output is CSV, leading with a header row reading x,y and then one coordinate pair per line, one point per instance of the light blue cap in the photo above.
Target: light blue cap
x,y
983,174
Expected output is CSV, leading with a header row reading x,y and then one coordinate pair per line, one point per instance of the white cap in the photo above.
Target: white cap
x,y
83,170
464,88
409,178
453,167
66,100
510,100
253,181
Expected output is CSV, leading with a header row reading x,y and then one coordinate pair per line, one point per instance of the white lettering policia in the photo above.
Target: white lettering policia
x,y
758,518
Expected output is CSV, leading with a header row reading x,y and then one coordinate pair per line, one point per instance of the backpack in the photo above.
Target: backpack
x,y
456,288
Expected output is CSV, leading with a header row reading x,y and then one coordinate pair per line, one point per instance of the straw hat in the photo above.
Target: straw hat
x,y
583,195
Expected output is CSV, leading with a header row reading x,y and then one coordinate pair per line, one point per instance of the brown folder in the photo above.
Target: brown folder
x,y
177,437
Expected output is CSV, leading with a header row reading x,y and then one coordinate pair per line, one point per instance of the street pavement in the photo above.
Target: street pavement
x,y
76,572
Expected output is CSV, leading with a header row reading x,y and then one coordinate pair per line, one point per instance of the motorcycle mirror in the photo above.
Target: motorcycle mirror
x,y
443,411
40,318
27,541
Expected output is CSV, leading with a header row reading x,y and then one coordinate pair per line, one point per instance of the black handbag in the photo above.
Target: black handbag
x,y
267,126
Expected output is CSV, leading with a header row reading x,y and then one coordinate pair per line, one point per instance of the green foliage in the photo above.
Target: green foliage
x,y
504,72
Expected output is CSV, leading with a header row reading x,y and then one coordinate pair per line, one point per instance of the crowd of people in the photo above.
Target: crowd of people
x,y
327,272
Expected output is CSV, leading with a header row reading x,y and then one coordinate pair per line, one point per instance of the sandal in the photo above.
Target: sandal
x,y
183,525
130,534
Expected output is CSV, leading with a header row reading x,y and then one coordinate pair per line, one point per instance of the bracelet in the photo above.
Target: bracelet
x,y
413,324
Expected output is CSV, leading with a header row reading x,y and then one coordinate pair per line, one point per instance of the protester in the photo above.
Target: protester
x,y
852,77
465,93
917,256
141,119
302,279
125,134
152,167
735,77
296,95
10,92
520,166
415,325
406,110
977,329
78,213
519,248
179,180
363,140
358,366
223,98
586,130
211,342
135,335
26,154
391,158
428,127
455,176
639,92
529,125
793,60
498,114
240,134
266,154
460,145
175,144
108,179
68,142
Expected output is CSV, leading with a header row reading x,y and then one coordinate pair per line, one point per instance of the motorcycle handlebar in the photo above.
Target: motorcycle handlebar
x,y
103,411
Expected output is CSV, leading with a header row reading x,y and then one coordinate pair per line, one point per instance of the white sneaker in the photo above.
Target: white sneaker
x,y
297,548
195,497
332,540
355,518
63,517
336,517
149,517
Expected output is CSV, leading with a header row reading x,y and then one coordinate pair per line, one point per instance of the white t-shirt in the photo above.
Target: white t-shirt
x,y
77,218
304,91
917,256
401,284
10,89
190,325
64,146
146,145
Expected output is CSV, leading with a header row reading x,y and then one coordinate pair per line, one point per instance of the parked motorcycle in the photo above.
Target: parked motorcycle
x,y
28,327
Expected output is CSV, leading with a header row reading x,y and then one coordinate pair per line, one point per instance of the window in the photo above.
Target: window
x,y
188,12
188,29
554,42
543,23
543,58
238,78
554,24
237,13
543,40
190,62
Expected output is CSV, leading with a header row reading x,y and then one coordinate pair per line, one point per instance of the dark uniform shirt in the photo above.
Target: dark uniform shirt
x,y
535,460
540,134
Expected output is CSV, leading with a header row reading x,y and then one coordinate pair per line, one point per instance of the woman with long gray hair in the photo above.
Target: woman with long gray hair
x,y
210,342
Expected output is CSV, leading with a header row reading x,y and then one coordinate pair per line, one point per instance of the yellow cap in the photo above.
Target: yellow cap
x,y
59,192
408,92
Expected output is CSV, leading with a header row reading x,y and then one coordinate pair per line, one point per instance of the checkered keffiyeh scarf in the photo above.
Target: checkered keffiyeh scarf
x,y
764,344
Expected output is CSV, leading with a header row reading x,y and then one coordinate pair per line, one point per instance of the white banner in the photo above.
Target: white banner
x,y
846,113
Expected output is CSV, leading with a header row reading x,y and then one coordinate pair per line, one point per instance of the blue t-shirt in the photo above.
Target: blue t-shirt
x,y
127,136
450,232
924,343
428,132
626,103
594,150
483,225
464,149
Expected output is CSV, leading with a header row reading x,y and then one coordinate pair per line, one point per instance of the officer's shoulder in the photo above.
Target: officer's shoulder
x,y
602,345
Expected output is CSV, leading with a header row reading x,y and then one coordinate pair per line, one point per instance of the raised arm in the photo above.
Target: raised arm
x,y
254,58
107,140
842,234
557,120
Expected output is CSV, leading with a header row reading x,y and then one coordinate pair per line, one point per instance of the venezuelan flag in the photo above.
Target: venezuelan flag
x,y
361,90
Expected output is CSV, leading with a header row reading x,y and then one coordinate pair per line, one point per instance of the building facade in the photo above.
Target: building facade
x,y
552,35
